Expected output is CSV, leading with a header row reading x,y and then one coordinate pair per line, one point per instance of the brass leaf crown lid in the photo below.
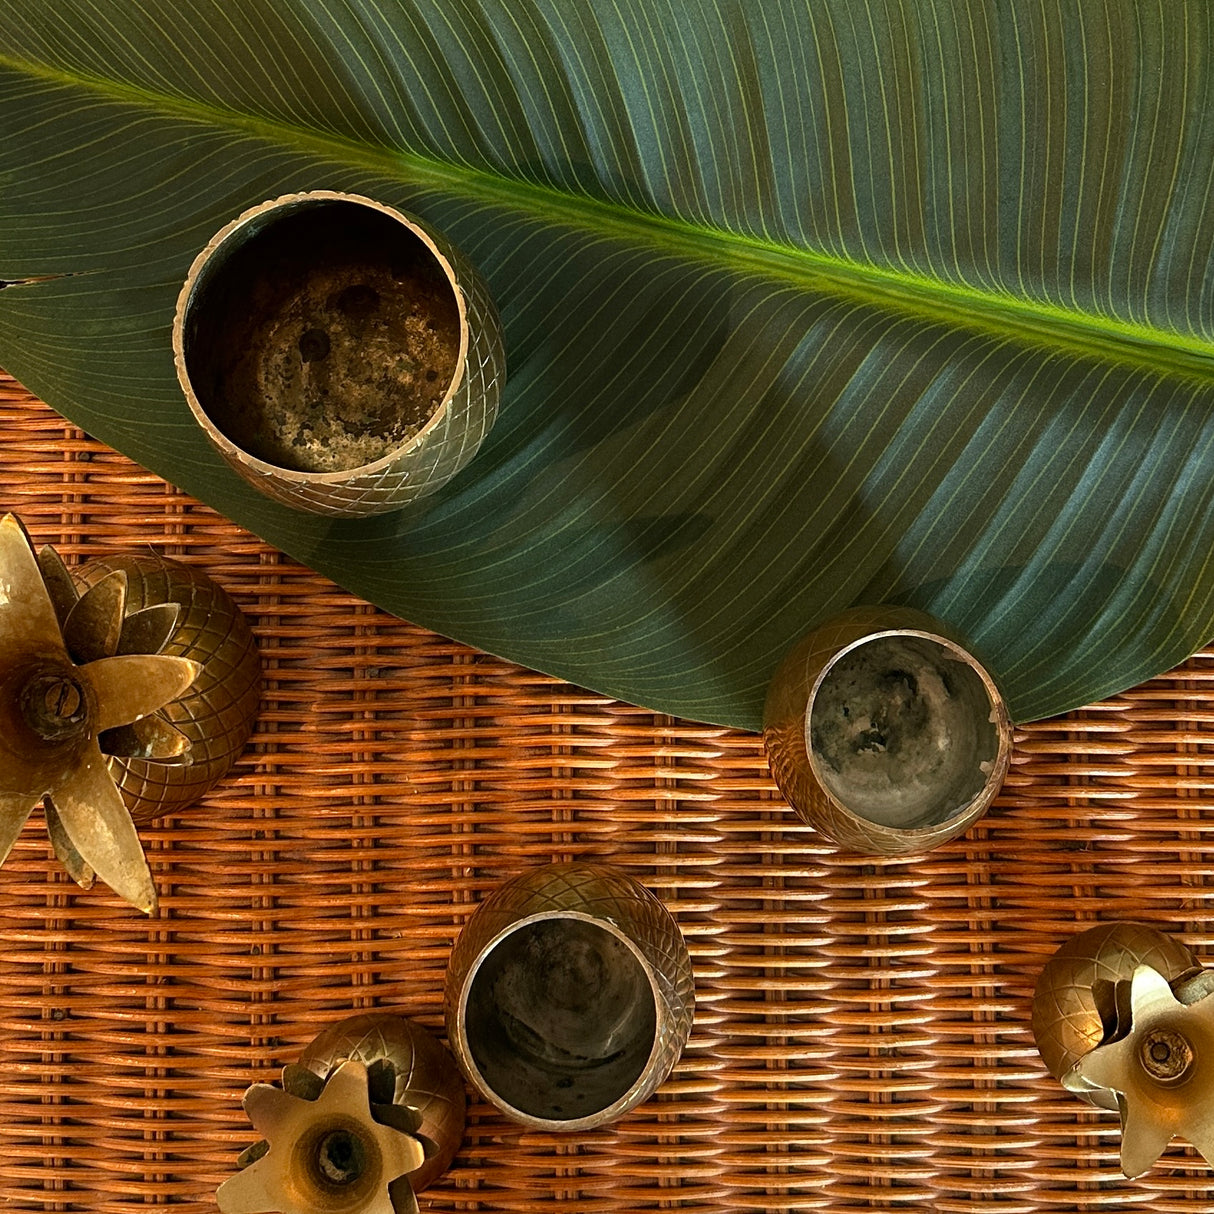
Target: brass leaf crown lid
x,y
324,1151
54,710
1161,1068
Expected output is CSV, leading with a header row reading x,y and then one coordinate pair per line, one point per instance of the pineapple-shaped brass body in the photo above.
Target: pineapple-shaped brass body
x,y
196,738
371,1114
1075,1003
884,733
570,996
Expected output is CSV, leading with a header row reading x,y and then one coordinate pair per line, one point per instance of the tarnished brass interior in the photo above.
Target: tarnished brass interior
x,y
322,335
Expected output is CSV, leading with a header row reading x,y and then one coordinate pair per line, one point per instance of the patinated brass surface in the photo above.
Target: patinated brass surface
x,y
411,1075
324,1155
1076,1002
169,760
569,996
884,733
54,711
342,358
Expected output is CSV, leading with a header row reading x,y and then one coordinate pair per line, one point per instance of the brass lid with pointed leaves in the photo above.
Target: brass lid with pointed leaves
x,y
141,602
1160,1067
324,1154
409,1073
371,1114
53,712
1075,1004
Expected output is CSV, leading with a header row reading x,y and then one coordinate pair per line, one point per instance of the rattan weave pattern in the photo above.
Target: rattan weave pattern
x,y
862,1027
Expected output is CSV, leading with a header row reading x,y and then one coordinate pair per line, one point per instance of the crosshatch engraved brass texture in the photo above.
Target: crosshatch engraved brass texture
x,y
409,1068
1075,1002
884,733
215,717
371,1115
569,996
343,358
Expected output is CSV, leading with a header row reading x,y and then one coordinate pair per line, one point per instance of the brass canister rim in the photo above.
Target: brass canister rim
x,y
463,1048
1000,718
224,242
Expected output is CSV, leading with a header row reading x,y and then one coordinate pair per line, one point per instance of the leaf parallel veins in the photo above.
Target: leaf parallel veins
x,y
807,304
914,294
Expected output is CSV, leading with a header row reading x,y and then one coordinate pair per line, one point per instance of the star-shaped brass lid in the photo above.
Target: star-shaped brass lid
x,y
52,715
324,1155
1162,1070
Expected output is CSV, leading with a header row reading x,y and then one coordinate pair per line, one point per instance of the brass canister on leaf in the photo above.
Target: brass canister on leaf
x,y
341,356
569,996
884,733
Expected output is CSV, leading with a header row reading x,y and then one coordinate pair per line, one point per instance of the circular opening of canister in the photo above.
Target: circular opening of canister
x,y
321,334
902,730
561,1019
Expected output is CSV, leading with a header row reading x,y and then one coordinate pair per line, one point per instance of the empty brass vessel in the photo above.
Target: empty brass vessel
x,y
884,733
569,996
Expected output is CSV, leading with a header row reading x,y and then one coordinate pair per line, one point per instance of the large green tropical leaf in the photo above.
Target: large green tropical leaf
x,y
806,304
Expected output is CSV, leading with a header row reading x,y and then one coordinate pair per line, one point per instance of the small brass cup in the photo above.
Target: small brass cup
x,y
884,733
341,357
569,996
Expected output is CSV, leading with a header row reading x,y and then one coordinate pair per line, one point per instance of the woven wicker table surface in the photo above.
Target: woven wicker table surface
x,y
861,1038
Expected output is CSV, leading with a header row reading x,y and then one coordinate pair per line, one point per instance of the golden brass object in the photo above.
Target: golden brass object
x,y
1075,1006
409,1069
884,733
168,761
54,711
371,1114
569,996
341,357
1161,1069
1124,1017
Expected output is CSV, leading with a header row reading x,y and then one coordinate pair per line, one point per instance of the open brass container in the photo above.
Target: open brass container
x,y
371,1115
342,358
569,996
884,733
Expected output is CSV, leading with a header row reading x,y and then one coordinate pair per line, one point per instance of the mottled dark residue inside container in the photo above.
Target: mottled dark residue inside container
x,y
901,732
327,341
561,1019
